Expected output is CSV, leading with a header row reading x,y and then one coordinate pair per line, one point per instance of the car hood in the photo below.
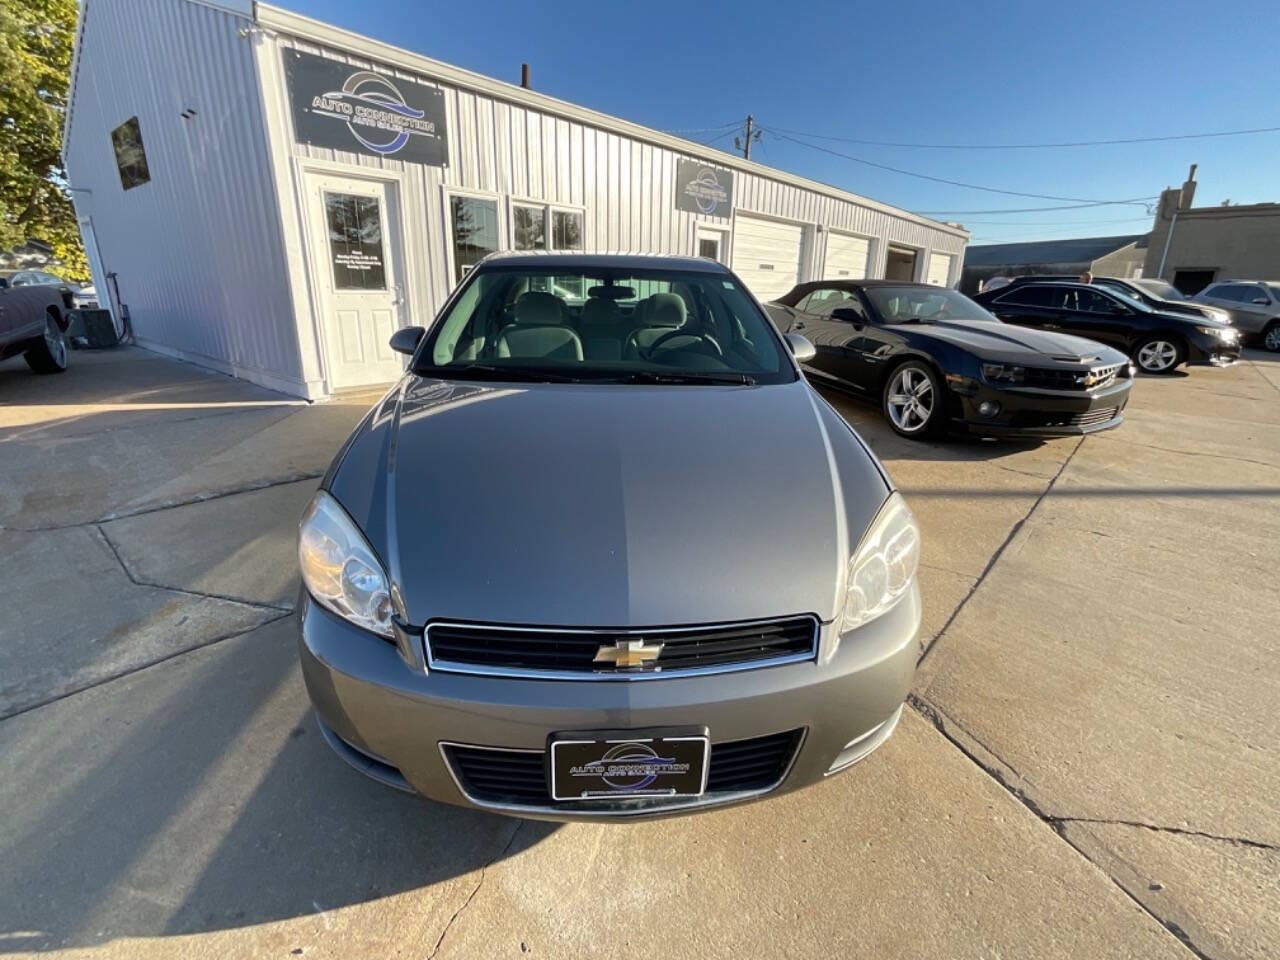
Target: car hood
x,y
609,505
993,340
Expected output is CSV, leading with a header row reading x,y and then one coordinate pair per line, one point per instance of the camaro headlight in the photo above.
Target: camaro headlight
x,y
1002,373
884,566
340,569
1222,333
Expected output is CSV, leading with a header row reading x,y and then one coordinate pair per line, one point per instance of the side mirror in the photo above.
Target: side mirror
x,y
848,315
801,348
406,339
4,283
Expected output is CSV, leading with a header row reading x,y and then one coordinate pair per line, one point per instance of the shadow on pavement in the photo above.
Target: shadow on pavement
x,y
199,795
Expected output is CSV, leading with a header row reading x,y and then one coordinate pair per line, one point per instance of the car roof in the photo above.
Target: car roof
x,y
871,283
543,260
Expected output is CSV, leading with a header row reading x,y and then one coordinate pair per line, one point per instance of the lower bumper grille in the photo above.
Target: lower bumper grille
x,y
488,648
1051,418
519,777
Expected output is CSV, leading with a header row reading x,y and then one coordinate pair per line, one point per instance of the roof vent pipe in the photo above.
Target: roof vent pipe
x,y
524,76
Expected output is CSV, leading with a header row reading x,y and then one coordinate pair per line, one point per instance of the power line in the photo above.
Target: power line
x,y
1071,206
733,123
952,183
728,133
1057,223
1030,146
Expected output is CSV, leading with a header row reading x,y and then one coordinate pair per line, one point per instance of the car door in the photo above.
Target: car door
x,y
832,338
1095,314
1026,305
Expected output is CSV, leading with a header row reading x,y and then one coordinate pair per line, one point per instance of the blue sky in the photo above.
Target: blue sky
x,y
923,73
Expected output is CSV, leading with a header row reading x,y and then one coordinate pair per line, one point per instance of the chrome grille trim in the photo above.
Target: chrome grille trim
x,y
655,673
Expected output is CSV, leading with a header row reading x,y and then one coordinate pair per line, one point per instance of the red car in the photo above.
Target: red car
x,y
33,322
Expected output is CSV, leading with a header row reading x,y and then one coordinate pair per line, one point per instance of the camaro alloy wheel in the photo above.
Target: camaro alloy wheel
x,y
1158,356
50,355
910,400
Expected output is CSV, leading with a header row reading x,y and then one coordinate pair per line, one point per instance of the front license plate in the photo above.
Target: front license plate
x,y
629,764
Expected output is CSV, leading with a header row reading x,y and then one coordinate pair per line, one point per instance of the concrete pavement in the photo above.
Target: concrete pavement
x,y
1089,766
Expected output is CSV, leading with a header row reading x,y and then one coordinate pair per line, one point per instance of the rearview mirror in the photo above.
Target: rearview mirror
x,y
406,339
801,348
848,315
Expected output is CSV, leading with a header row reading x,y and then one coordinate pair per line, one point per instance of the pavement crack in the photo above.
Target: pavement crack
x,y
999,552
947,727
476,889
217,494
1189,453
1157,828
120,674
197,594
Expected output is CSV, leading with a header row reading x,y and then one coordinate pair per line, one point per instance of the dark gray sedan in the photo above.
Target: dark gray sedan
x,y
603,552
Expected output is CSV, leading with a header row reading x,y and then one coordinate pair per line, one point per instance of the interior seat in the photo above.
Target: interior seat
x,y
663,312
603,329
539,331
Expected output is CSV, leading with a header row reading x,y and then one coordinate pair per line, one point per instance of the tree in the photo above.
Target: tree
x,y
36,38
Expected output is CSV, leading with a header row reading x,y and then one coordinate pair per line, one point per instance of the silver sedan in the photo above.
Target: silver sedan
x,y
604,553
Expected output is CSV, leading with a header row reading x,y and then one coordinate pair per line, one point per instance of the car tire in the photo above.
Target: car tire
x,y
913,400
1270,338
50,354
1159,354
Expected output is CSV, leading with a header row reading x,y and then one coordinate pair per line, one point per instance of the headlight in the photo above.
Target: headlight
x,y
1222,333
884,566
339,568
1002,373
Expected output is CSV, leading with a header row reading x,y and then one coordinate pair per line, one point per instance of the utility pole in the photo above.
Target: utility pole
x,y
744,143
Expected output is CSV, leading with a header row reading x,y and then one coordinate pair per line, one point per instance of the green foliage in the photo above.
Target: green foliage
x,y
36,38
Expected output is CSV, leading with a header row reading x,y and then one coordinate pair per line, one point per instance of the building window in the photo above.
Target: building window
x,y
530,227
475,232
566,230
131,159
355,242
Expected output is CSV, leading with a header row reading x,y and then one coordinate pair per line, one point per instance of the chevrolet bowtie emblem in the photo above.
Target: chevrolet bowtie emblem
x,y
628,653
1088,380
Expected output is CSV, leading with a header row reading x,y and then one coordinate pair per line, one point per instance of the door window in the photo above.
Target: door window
x,y
355,242
1090,301
822,302
475,232
1028,296
709,247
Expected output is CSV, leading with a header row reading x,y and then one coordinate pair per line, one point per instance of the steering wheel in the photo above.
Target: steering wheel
x,y
681,332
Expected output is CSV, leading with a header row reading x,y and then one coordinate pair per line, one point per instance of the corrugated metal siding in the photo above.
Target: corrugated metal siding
x,y
198,250
625,186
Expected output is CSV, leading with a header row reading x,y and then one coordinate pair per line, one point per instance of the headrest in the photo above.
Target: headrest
x,y
600,312
537,308
666,310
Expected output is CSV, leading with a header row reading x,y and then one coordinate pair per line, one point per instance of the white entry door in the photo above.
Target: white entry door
x,y
939,269
846,257
766,255
711,243
356,244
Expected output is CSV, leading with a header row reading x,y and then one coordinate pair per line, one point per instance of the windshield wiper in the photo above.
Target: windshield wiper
x,y
652,376
493,371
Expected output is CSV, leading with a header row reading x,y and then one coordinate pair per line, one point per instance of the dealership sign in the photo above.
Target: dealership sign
x,y
703,189
345,108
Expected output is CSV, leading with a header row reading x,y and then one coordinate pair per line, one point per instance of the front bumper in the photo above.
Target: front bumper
x,y
1205,351
389,717
1039,413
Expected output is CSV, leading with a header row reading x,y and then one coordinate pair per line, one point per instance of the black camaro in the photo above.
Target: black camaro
x,y
936,360
1158,340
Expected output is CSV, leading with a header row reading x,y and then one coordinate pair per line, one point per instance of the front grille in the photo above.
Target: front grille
x,y
519,777
499,649
1058,379
1049,418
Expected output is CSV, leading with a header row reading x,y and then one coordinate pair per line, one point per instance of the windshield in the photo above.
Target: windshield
x,y
603,324
917,304
1160,288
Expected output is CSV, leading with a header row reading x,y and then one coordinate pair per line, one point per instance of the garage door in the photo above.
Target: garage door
x,y
766,255
939,269
846,257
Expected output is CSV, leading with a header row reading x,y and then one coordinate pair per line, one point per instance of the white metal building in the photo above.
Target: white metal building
x,y
272,196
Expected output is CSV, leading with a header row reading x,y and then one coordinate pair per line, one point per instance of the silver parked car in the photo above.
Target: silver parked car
x,y
1254,306
603,552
